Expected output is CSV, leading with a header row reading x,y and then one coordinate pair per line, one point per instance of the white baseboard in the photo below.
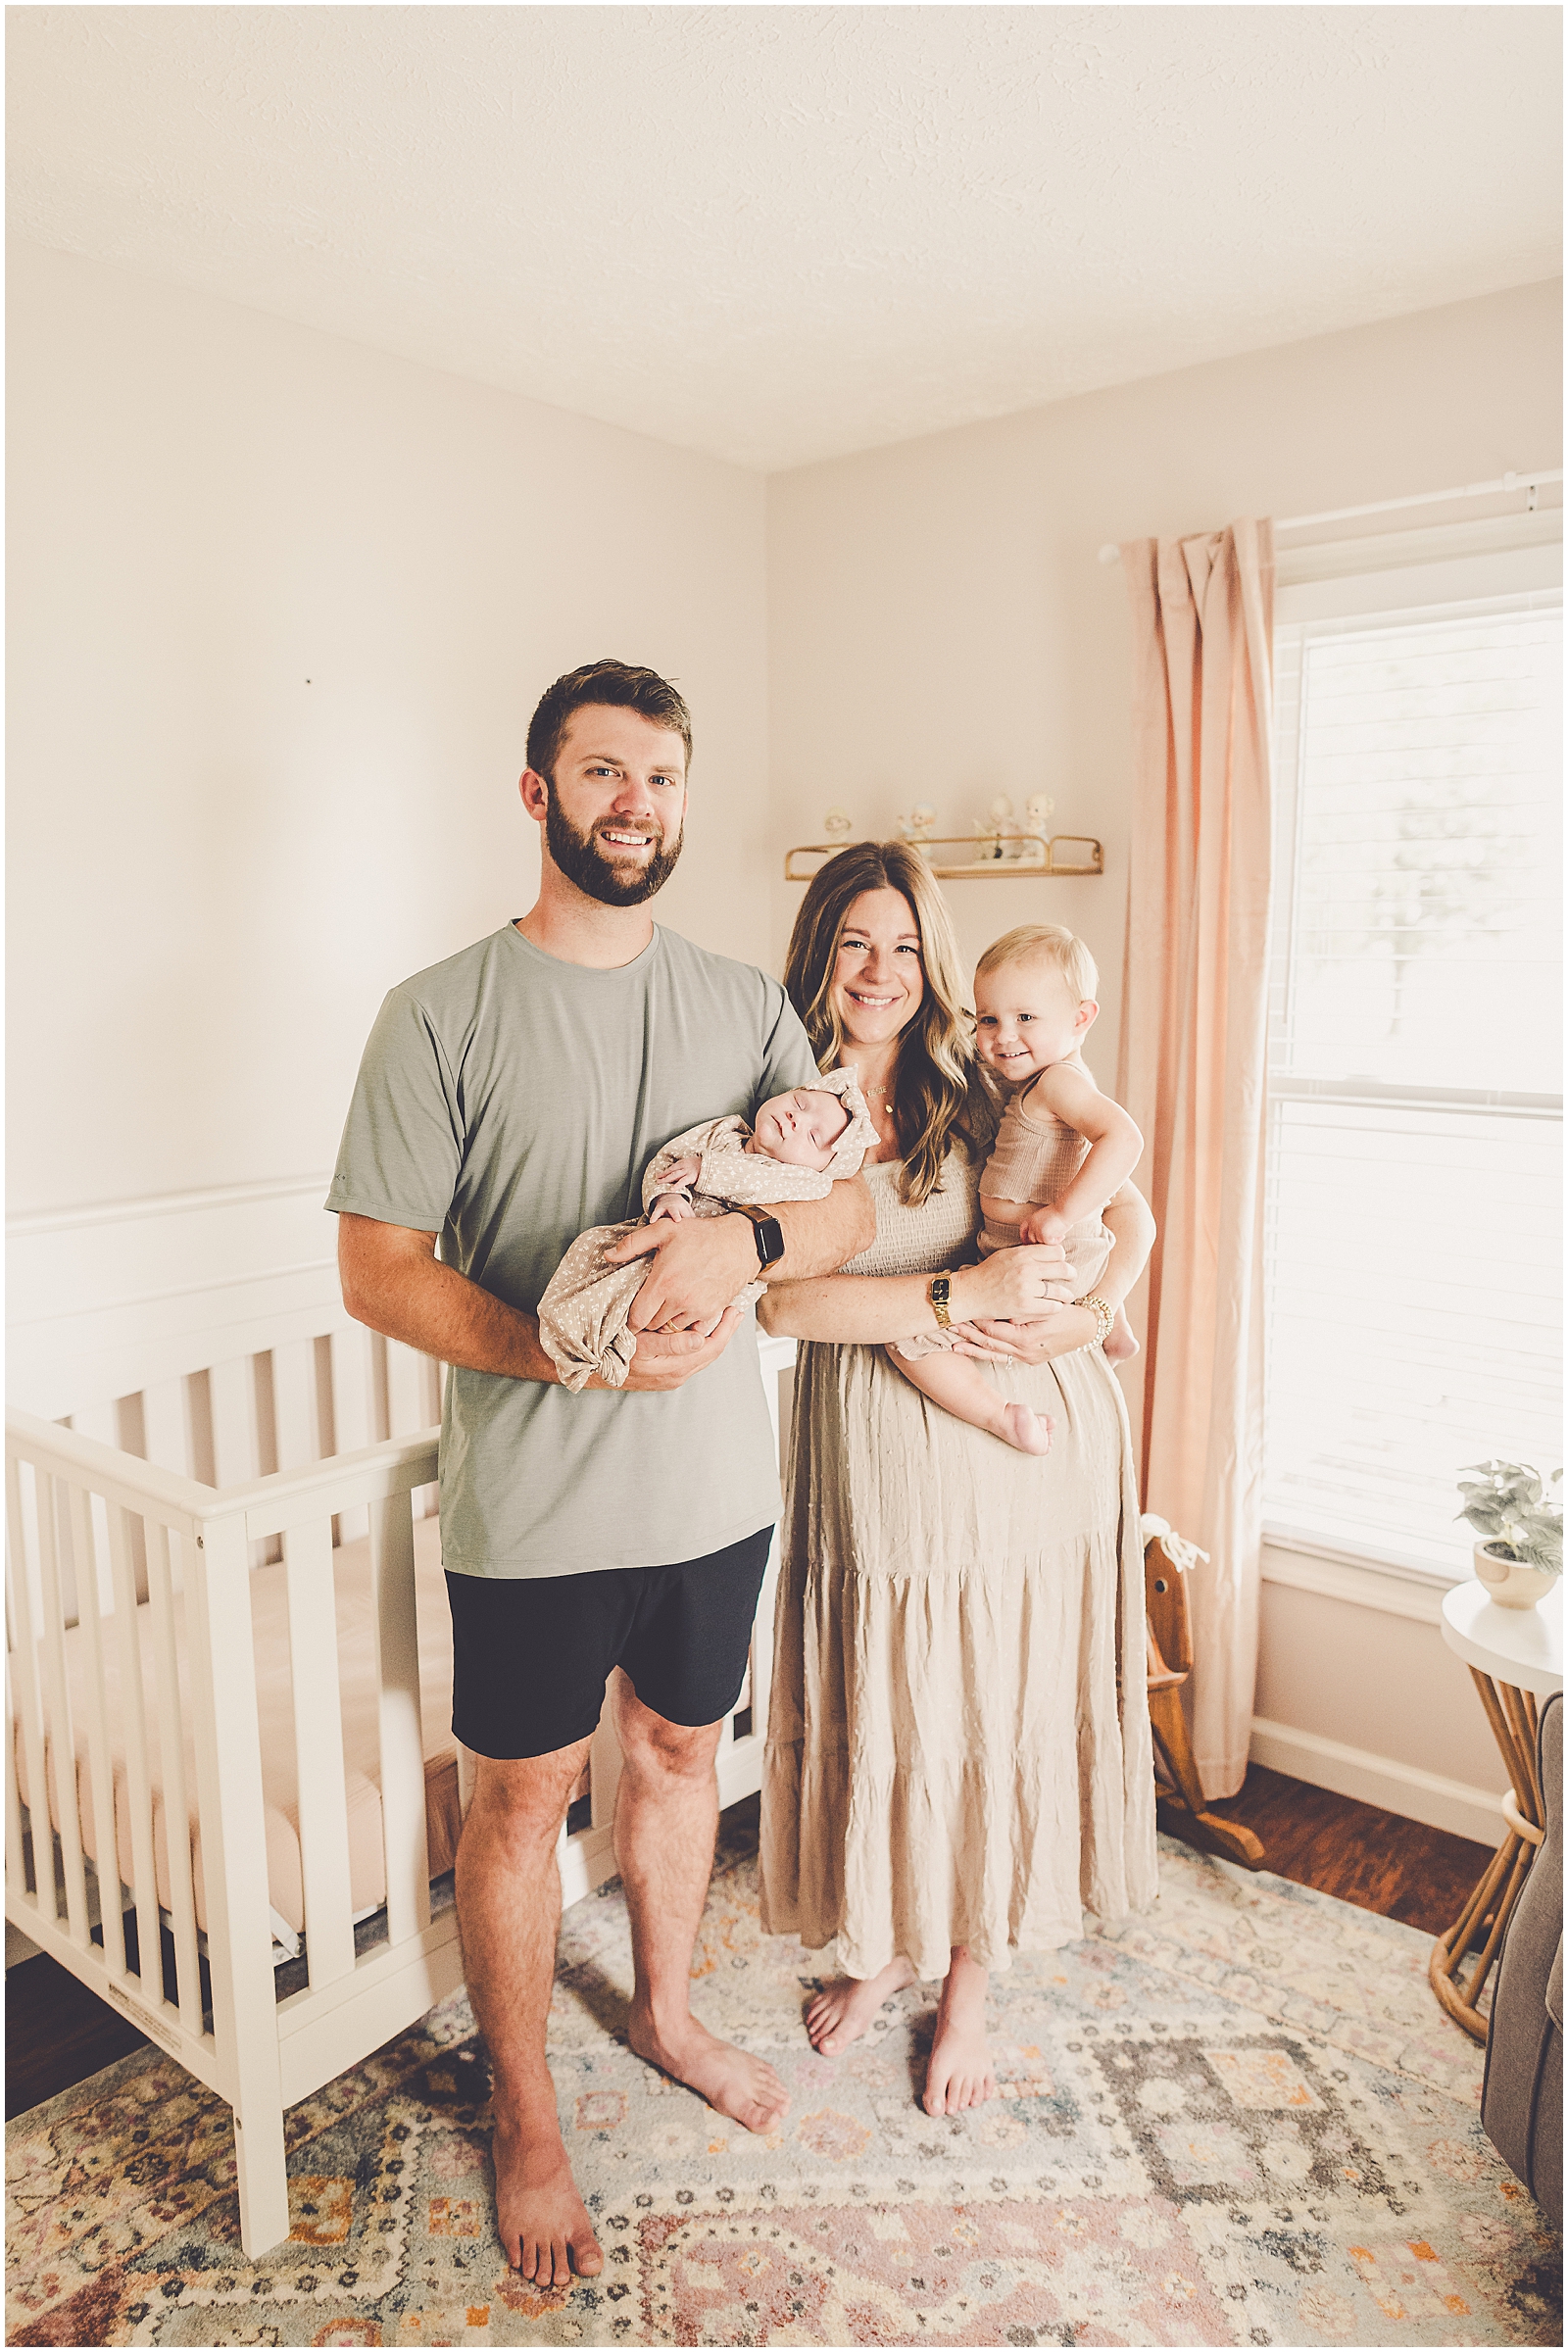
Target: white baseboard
x,y
1403,1788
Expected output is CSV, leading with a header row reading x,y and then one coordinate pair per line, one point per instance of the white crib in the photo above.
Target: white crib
x,y
176,1558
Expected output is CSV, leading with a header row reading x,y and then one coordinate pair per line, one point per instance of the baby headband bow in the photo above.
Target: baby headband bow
x,y
860,1136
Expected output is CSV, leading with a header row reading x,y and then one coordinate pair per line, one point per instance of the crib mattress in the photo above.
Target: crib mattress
x,y
274,1707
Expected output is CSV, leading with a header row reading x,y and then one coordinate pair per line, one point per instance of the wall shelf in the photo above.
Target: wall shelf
x,y
1031,858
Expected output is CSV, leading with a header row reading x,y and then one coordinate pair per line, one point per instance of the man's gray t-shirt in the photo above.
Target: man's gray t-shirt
x,y
508,1101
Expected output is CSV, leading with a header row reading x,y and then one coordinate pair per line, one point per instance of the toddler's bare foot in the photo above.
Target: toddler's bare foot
x,y
730,2079
1024,1427
842,2014
1120,1340
960,2074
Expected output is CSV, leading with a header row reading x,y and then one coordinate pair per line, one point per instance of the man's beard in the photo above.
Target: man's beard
x,y
583,861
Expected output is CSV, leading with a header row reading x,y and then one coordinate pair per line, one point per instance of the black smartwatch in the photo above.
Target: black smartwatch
x,y
766,1232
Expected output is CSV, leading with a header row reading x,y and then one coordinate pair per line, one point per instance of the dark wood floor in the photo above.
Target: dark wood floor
x,y
58,2033
1377,1860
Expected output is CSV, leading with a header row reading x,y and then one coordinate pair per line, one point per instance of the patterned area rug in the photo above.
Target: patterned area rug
x,y
1242,2120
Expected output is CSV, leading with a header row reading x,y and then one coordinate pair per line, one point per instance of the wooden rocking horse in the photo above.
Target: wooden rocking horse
x,y
1180,1794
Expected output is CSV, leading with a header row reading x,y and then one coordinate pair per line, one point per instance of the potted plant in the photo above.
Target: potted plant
x,y
1519,1518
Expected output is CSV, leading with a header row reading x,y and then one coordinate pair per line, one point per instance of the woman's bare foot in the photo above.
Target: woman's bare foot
x,y
730,2079
842,2014
960,2074
1121,1341
1020,1425
541,2220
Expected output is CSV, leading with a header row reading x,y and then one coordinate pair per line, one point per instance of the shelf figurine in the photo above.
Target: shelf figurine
x,y
1037,812
998,835
919,826
838,824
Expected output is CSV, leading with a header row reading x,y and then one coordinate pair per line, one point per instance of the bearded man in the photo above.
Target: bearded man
x,y
508,1099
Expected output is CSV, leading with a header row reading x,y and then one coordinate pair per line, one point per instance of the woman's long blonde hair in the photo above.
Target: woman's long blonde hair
x,y
939,1097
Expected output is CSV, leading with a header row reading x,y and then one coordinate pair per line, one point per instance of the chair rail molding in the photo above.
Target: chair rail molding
x,y
103,1297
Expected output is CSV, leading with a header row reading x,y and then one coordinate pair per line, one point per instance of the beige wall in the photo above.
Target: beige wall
x,y
217,869
939,627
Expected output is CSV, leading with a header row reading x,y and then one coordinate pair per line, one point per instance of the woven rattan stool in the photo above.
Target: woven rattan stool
x,y
1515,1657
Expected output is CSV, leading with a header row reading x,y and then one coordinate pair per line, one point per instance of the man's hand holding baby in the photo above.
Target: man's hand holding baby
x,y
683,1275
695,1266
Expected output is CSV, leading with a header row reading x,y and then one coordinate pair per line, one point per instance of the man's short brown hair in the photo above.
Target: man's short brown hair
x,y
616,683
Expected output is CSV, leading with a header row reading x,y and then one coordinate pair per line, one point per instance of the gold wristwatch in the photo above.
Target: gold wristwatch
x,y
1104,1315
940,1291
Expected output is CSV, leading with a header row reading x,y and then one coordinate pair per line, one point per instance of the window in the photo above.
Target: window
x,y
1415,1112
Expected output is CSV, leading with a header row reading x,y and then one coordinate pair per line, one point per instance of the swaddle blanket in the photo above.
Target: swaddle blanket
x,y
582,1315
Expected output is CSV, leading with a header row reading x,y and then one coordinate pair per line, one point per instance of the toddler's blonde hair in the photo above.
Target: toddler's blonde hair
x,y
1045,943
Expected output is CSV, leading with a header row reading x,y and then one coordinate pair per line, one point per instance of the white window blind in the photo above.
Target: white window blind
x,y
1413,1230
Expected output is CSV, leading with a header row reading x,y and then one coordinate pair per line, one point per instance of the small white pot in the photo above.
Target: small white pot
x,y
1511,1584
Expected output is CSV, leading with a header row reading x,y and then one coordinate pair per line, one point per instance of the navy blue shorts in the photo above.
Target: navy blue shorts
x,y
532,1655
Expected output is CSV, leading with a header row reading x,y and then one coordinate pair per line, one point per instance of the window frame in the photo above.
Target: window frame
x,y
1443,573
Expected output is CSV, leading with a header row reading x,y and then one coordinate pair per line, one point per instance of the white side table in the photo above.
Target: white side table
x,y
1515,1657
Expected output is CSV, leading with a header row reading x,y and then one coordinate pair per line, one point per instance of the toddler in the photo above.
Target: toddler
x,y
1061,1150
802,1142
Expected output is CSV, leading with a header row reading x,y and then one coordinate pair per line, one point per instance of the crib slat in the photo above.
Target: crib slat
x,y
294,1404
405,1391
176,1796
353,1417
228,1773
164,1426
62,1730
16,1861
762,1669
138,1780
604,1760
99,1754
25,1693
318,1748
237,1453
402,1743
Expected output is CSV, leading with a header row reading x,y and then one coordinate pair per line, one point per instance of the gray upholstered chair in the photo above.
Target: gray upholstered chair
x,y
1521,2096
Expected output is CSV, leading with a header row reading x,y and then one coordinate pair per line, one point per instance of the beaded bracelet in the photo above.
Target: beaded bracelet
x,y
1104,1315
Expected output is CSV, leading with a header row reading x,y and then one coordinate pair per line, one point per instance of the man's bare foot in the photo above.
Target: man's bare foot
x,y
1121,1341
541,2220
960,2074
1020,1426
730,2079
840,2013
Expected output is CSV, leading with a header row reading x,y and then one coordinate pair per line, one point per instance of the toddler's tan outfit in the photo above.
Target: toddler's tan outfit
x,y
1032,1159
582,1314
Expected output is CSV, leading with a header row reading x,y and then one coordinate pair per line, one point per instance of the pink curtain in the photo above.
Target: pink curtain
x,y
1193,1054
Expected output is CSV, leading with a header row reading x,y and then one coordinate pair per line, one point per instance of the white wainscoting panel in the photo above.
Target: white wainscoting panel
x,y
132,1295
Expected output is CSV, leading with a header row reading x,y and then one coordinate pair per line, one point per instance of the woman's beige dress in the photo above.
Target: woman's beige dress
x,y
950,1756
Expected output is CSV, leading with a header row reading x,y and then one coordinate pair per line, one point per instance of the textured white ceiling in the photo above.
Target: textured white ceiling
x,y
778,233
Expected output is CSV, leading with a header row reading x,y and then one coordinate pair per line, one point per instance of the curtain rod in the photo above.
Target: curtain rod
x,y
1110,553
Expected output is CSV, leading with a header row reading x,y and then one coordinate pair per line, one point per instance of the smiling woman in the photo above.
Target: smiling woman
x,y
951,1771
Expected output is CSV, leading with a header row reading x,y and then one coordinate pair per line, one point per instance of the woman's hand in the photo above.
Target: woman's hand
x,y
1060,1330
1013,1283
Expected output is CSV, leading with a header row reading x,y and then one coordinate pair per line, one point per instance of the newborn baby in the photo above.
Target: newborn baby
x,y
802,1142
